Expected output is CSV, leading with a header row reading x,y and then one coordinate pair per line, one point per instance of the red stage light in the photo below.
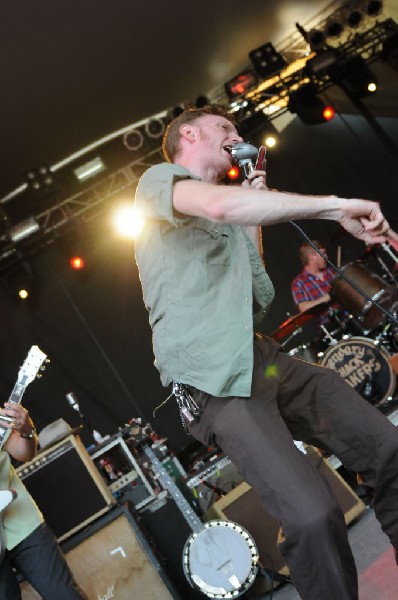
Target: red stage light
x,y
77,263
328,113
233,173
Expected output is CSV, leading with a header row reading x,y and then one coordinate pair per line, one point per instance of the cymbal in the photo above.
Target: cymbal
x,y
295,321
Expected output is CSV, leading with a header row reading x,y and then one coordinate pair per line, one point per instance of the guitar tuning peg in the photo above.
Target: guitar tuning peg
x,y
43,368
47,360
38,376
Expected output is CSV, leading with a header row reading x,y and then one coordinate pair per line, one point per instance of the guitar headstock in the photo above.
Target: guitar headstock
x,y
32,365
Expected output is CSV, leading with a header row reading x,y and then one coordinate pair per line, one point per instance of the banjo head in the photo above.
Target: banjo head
x,y
221,559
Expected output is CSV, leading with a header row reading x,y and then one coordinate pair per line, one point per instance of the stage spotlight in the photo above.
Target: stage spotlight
x,y
309,107
355,18
23,230
77,263
328,113
234,174
256,128
21,282
175,112
316,39
270,140
354,76
154,128
334,27
39,177
240,84
201,101
373,8
128,222
133,140
267,61
89,169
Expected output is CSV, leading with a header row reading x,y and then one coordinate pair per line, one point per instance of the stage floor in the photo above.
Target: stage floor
x,y
374,557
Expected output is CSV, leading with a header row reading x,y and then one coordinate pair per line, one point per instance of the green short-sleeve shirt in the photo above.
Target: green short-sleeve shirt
x,y
204,286
22,516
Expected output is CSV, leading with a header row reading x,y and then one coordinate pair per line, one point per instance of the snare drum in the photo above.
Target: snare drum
x,y
365,367
372,284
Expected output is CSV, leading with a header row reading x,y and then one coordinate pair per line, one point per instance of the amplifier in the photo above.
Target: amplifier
x,y
243,505
66,486
217,477
122,473
112,559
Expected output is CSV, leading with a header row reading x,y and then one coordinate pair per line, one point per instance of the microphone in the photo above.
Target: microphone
x,y
248,157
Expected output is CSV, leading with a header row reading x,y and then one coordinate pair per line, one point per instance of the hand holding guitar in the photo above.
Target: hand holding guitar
x,y
16,417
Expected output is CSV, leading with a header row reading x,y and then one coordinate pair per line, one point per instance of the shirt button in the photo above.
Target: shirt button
x,y
246,327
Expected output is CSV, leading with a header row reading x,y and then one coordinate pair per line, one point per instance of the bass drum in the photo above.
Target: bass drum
x,y
372,284
364,365
221,559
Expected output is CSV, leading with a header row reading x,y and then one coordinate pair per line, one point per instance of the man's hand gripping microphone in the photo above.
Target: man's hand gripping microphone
x,y
248,157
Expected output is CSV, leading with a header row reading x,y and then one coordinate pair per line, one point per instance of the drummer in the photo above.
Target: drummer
x,y
312,286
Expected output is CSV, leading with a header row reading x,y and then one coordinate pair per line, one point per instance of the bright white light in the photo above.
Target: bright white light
x,y
270,141
128,221
23,294
372,87
89,169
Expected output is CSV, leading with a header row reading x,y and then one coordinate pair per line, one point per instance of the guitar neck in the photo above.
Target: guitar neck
x,y
190,516
15,398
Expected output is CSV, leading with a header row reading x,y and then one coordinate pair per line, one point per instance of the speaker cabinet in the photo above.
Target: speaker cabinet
x,y
243,506
114,561
67,487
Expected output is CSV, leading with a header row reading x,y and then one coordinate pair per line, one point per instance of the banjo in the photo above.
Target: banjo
x,y
219,557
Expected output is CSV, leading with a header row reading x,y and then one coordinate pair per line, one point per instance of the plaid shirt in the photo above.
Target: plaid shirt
x,y
307,287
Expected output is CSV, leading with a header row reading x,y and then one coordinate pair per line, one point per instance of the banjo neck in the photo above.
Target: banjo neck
x,y
189,514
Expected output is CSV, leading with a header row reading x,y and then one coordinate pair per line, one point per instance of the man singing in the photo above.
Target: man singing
x,y
206,290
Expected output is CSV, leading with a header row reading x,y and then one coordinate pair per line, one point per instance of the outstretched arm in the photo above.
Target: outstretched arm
x,y
251,206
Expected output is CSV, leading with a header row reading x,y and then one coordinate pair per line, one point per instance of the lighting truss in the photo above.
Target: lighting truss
x,y
86,203
274,92
270,96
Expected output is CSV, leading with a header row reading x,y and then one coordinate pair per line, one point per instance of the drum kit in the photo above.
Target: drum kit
x,y
350,334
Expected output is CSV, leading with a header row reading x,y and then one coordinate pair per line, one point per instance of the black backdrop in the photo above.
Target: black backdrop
x,y
93,324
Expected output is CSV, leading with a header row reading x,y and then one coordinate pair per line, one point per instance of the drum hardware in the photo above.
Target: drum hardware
x,y
390,251
291,336
328,336
291,324
387,273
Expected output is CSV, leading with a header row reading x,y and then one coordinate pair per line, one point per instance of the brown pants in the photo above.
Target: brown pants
x,y
295,400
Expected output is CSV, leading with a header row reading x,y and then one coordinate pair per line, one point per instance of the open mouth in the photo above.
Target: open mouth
x,y
228,149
